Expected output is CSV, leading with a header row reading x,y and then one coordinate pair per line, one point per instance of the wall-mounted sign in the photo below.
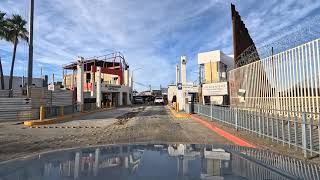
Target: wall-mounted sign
x,y
51,87
179,86
112,87
215,89
190,88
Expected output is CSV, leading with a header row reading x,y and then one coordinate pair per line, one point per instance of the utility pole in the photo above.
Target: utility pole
x,y
1,76
30,42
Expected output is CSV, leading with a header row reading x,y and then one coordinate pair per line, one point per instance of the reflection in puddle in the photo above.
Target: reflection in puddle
x,y
175,161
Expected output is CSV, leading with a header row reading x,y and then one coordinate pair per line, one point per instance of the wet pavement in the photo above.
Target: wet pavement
x,y
156,161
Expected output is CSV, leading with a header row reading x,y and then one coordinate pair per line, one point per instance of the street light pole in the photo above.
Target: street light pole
x,y
30,42
135,69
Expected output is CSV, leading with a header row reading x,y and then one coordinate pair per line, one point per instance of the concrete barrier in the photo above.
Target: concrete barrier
x,y
61,119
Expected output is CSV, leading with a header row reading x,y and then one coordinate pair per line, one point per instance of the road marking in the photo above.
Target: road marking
x,y
64,127
236,140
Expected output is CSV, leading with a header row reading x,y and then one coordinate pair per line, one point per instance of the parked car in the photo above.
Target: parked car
x,y
158,100
138,100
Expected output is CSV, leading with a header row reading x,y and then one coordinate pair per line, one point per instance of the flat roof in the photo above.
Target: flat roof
x,y
110,60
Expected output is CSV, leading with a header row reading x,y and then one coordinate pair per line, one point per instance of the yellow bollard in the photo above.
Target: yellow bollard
x,y
41,113
61,111
177,107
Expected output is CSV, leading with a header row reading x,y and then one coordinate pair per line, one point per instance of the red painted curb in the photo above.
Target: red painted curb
x,y
236,140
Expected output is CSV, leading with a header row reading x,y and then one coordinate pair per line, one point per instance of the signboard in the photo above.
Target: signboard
x,y
113,87
190,88
179,86
216,100
215,89
51,87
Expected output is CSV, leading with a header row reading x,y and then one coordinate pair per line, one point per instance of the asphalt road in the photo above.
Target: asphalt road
x,y
121,125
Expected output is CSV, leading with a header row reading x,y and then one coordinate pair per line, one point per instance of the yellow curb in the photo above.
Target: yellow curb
x,y
61,119
176,115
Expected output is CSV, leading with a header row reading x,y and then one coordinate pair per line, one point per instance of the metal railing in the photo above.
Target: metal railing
x,y
56,111
295,131
289,80
292,166
89,106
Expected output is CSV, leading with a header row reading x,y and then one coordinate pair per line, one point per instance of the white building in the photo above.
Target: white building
x,y
183,91
214,66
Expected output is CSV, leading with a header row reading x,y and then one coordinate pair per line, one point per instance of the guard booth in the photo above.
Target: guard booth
x,y
191,100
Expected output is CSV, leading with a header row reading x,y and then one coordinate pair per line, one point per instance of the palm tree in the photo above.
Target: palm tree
x,y
2,36
16,29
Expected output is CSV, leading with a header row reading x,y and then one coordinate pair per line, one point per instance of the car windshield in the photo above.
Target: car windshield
x,y
159,89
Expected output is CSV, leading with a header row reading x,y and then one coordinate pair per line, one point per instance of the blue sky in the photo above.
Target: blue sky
x,y
151,34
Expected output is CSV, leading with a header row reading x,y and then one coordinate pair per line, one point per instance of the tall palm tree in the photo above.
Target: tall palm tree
x,y
16,27
2,36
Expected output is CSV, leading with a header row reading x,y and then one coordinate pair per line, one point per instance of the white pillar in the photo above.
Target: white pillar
x,y
120,98
96,162
98,94
177,74
72,80
93,83
80,84
128,98
63,79
126,77
76,166
180,99
183,70
130,82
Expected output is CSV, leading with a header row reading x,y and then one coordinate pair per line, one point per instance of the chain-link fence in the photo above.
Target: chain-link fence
x,y
295,131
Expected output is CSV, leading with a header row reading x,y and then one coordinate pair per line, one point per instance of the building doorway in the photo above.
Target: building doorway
x,y
124,99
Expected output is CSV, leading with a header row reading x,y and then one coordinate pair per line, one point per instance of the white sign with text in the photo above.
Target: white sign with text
x,y
215,89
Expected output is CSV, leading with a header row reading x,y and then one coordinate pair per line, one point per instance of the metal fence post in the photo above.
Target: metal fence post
x,y
61,110
236,119
211,111
304,134
259,123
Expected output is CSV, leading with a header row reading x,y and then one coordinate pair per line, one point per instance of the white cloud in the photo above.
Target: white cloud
x,y
151,34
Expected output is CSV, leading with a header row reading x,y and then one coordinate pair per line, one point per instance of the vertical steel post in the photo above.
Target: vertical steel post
x,y
259,123
30,42
295,132
289,130
304,135
310,134
62,111
272,128
236,118
211,111
282,130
